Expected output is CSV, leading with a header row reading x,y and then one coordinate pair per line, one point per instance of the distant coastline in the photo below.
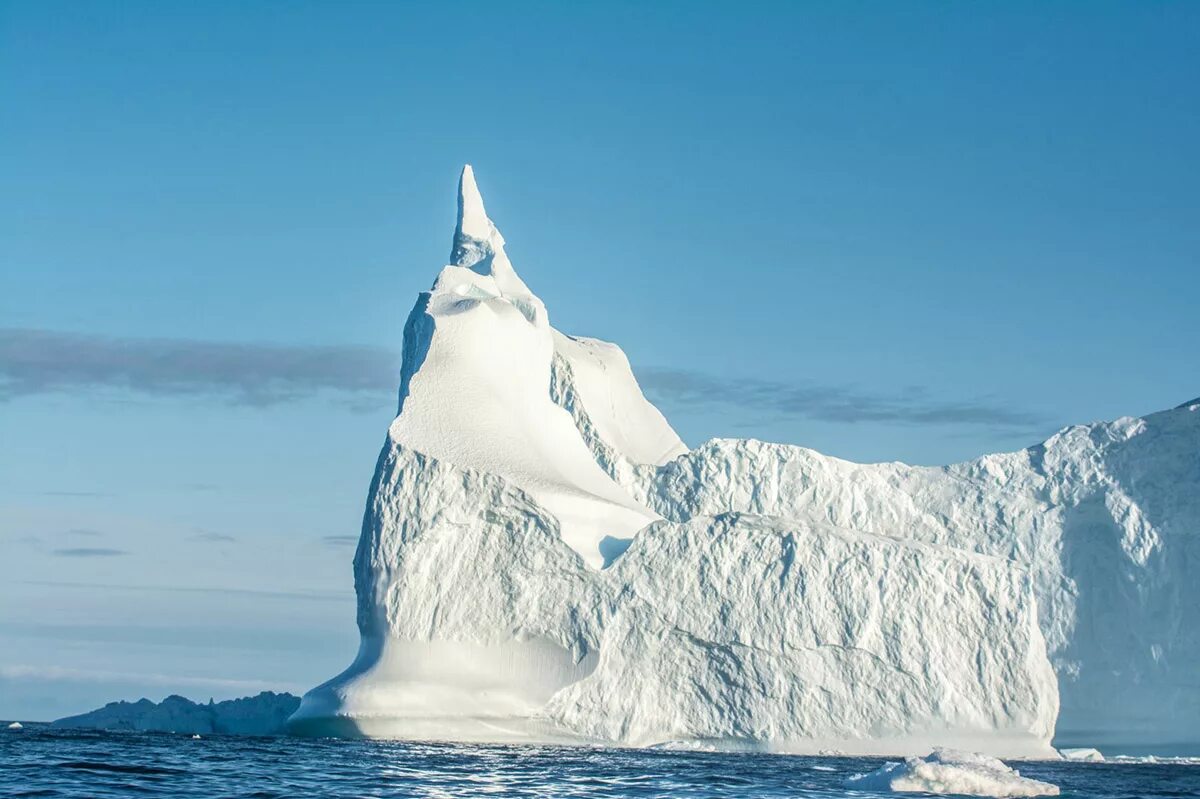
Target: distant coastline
x,y
264,714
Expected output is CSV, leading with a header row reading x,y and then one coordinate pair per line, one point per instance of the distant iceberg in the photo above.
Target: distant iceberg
x,y
543,559
265,714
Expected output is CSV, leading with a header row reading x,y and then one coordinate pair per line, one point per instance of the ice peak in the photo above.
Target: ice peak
x,y
473,220
477,242
478,246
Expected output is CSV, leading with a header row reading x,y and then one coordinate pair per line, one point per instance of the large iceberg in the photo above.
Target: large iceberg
x,y
542,559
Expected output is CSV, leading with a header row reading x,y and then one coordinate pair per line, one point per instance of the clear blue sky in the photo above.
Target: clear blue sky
x,y
886,231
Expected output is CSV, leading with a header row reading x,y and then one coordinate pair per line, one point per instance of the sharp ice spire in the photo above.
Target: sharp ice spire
x,y
473,220
478,245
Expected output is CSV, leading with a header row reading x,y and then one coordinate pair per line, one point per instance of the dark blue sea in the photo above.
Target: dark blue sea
x,y
41,762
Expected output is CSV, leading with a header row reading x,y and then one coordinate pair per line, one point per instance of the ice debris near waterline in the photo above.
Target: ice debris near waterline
x,y
947,771
542,559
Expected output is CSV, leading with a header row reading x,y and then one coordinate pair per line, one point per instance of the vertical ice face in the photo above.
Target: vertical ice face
x,y
543,559
1104,517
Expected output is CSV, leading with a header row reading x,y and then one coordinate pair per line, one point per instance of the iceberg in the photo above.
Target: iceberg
x,y
543,559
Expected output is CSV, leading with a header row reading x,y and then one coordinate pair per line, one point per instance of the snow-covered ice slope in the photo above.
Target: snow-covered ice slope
x,y
474,389
592,379
543,559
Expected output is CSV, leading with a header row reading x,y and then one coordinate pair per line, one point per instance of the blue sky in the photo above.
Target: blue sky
x,y
887,231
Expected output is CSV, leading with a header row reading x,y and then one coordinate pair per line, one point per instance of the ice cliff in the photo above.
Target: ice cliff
x,y
1105,518
542,558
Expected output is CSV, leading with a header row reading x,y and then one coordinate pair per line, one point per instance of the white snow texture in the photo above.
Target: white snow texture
x,y
542,559
947,771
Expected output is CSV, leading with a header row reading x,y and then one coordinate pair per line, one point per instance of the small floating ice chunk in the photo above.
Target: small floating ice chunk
x,y
952,772
16,725
1174,760
1082,754
195,737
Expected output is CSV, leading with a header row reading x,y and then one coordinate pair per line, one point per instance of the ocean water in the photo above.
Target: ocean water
x,y
42,762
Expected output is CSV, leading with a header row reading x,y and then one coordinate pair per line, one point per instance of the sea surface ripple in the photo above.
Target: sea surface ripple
x,y
42,762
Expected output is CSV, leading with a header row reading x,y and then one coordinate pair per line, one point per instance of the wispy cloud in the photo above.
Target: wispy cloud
x,y
364,379
212,538
826,403
311,594
65,674
83,531
89,552
36,362
340,540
